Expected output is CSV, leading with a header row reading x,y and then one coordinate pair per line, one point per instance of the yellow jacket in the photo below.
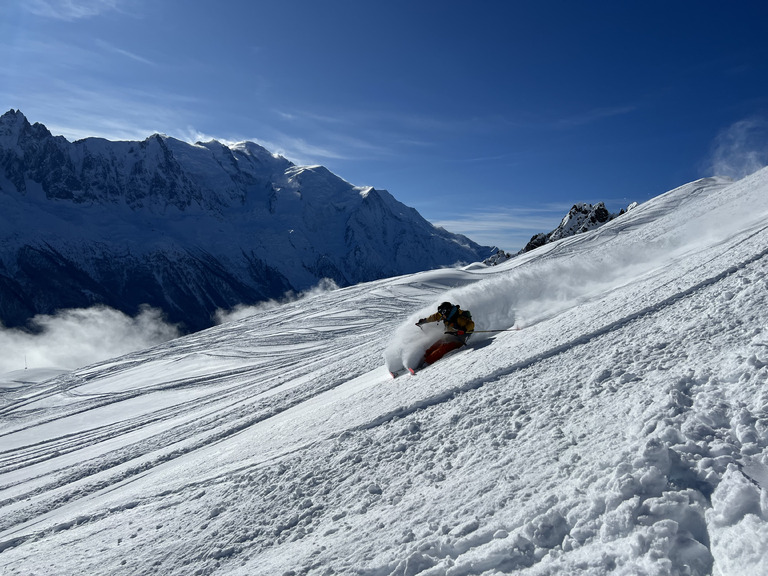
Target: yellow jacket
x,y
457,320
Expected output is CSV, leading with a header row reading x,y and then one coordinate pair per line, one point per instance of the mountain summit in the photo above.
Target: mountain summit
x,y
189,228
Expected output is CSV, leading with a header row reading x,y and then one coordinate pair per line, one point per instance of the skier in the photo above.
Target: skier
x,y
459,327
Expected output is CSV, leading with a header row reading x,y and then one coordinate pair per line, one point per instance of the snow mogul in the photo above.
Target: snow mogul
x,y
458,328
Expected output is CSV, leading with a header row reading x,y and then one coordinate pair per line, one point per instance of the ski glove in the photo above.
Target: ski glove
x,y
421,321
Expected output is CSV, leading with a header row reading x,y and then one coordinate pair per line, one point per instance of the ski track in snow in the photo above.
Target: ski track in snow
x,y
623,430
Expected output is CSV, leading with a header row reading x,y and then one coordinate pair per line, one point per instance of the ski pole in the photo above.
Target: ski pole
x,y
487,331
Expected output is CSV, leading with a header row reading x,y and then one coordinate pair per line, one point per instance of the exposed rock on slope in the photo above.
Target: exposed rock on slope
x,y
582,217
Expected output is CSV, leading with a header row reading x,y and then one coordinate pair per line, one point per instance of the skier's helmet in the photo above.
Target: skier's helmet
x,y
445,308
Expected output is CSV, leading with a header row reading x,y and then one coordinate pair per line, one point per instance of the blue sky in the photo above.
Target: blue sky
x,y
491,118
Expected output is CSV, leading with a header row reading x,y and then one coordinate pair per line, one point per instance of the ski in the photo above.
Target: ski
x,y
401,372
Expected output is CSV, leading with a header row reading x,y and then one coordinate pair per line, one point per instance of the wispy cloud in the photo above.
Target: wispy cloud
x,y
299,150
49,56
508,228
440,125
396,125
305,115
594,115
70,10
76,110
343,136
192,135
111,48
317,146
505,158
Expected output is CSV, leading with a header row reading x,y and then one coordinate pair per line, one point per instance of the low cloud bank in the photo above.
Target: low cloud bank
x,y
78,337
74,338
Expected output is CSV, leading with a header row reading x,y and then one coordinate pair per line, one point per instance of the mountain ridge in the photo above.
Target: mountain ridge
x,y
190,228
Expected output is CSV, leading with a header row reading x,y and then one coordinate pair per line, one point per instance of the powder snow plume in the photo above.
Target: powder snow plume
x,y
545,283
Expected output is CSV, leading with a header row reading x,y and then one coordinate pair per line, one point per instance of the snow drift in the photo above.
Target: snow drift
x,y
622,430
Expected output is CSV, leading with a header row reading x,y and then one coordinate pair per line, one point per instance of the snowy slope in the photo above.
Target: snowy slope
x,y
623,429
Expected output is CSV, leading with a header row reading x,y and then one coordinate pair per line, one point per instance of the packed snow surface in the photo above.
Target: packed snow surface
x,y
616,422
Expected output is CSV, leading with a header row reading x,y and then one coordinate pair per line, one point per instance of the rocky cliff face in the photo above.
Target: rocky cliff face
x,y
189,228
580,218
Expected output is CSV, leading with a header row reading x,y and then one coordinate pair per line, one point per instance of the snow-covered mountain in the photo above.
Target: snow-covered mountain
x,y
618,426
189,228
